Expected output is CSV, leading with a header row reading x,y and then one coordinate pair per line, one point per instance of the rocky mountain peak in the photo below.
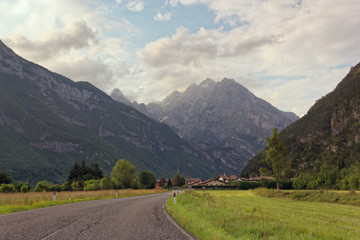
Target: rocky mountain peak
x,y
117,95
207,83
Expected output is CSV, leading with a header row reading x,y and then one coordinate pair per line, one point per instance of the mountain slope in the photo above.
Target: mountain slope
x,y
328,134
223,119
47,122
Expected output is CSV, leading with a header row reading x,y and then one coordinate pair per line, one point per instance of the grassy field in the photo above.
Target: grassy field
x,y
246,215
13,202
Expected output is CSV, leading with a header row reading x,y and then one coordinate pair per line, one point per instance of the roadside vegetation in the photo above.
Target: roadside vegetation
x,y
88,178
14,202
251,215
84,183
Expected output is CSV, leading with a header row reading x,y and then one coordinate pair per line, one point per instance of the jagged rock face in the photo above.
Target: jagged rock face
x,y
48,121
223,115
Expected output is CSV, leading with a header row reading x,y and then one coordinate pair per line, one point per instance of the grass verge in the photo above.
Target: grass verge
x,y
245,215
339,197
14,202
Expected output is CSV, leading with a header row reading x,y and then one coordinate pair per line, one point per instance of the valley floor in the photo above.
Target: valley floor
x,y
247,215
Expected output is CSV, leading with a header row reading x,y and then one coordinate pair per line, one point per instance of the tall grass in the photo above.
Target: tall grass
x,y
12,202
245,215
340,197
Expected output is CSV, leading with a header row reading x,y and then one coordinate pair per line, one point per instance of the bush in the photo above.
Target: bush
x,y
92,185
24,188
76,186
106,183
245,185
7,188
43,186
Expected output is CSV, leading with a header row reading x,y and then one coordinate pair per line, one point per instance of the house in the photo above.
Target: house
x,y
160,183
227,178
213,182
191,181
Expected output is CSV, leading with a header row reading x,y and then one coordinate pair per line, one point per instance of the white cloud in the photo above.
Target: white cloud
x,y
301,42
86,69
285,51
76,35
135,5
162,17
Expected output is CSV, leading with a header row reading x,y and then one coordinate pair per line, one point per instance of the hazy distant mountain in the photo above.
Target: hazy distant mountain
x,y
328,136
47,122
224,119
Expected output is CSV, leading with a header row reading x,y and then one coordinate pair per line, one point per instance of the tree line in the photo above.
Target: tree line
x,y
90,177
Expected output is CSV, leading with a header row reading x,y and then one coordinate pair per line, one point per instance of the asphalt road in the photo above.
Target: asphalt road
x,y
141,217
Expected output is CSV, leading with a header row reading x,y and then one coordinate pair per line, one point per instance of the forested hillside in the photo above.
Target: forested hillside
x,y
324,145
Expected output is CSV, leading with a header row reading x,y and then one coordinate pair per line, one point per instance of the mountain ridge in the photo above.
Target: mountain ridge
x,y
220,118
47,122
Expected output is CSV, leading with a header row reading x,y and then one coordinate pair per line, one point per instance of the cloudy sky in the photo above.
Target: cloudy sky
x,y
288,52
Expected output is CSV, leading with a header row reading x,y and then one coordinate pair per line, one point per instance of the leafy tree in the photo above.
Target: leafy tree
x,y
328,176
124,174
178,180
276,158
106,183
4,178
147,179
43,186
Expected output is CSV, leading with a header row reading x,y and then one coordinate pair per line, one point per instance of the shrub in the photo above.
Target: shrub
x,y
43,186
91,185
106,183
7,188
76,186
24,188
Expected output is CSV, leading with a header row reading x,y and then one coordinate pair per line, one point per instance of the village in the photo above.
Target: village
x,y
221,180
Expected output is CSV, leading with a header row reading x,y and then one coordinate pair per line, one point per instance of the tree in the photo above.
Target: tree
x,y
4,178
178,180
169,183
82,172
276,158
124,174
147,179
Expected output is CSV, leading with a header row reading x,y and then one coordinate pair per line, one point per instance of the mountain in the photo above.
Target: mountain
x,y
328,136
47,122
224,119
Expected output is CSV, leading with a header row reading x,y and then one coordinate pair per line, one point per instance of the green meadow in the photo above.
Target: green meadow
x,y
252,215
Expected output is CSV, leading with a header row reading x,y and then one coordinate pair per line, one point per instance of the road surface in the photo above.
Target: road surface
x,y
140,217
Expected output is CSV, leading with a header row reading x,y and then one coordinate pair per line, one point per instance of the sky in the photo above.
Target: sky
x,y
287,52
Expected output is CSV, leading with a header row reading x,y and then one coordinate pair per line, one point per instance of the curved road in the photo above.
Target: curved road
x,y
141,217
